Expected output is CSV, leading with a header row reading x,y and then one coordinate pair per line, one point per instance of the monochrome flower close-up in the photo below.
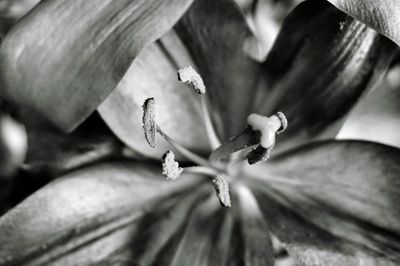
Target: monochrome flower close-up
x,y
199,132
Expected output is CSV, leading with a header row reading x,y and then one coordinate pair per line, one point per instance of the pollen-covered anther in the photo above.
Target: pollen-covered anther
x,y
259,154
284,122
170,167
149,122
222,189
189,76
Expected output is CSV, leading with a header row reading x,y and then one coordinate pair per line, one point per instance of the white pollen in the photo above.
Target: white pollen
x,y
222,189
171,167
149,124
189,76
268,126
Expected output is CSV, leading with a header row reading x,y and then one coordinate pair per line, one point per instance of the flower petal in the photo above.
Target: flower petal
x,y
215,32
11,11
383,16
63,59
194,244
377,117
97,208
322,62
153,75
217,236
348,189
52,153
253,231
13,145
15,9
265,18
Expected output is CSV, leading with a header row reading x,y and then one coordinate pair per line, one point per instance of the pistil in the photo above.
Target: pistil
x,y
261,131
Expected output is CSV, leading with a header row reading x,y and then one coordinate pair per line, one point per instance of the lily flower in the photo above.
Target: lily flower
x,y
256,138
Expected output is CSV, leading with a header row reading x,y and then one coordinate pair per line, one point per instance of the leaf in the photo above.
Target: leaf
x,y
214,33
153,74
383,16
68,69
321,64
348,189
97,208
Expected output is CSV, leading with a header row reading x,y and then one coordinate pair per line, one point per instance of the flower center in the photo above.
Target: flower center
x,y
225,160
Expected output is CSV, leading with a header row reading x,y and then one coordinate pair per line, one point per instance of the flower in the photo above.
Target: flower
x,y
124,212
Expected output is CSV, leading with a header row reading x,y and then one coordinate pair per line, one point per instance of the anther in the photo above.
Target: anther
x,y
170,167
149,124
259,154
189,76
151,128
222,189
284,122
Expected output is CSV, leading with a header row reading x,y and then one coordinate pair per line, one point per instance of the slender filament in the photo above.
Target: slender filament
x,y
185,152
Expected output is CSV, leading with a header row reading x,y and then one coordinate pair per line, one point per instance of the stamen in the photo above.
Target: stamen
x,y
185,152
150,128
189,76
170,167
211,133
149,124
222,189
207,171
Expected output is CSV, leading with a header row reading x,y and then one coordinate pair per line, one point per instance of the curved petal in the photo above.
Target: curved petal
x,y
13,145
265,18
301,243
214,33
377,117
64,58
11,11
153,74
52,153
216,236
383,16
15,9
97,208
134,217
347,189
320,65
